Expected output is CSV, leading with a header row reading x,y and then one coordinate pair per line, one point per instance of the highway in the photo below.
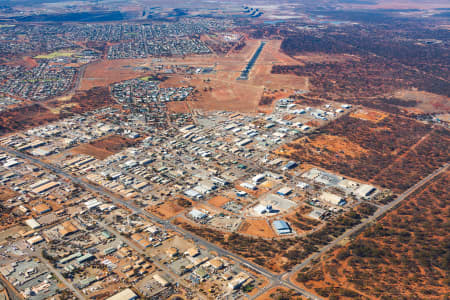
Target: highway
x,y
275,280
381,211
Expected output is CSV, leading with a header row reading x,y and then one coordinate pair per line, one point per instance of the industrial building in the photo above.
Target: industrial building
x,y
282,227
126,294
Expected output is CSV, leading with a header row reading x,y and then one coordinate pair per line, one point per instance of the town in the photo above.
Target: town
x,y
221,151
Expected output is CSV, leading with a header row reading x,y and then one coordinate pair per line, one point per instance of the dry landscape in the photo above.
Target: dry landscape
x,y
407,250
374,150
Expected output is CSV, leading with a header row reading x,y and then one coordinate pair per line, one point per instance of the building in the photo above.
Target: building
x,y
284,191
282,227
332,199
126,294
45,187
290,165
197,215
42,208
85,258
248,186
32,223
216,263
67,228
35,240
172,252
302,185
193,194
262,209
317,213
258,178
365,190
238,281
193,252
159,279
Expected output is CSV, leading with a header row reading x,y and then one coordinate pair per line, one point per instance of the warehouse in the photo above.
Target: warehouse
x,y
332,199
45,187
197,215
365,190
282,227
126,294
284,191
290,165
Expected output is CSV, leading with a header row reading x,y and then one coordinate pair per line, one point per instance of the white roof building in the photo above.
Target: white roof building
x,y
332,198
126,294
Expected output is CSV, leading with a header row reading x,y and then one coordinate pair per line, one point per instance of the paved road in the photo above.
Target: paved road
x,y
11,291
174,277
61,278
371,219
274,279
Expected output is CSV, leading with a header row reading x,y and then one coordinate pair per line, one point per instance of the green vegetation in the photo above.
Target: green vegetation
x,y
67,53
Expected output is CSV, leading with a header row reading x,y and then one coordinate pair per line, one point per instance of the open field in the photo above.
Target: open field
x,y
82,101
23,117
6,193
406,249
278,255
104,147
257,227
106,72
424,102
393,153
168,209
218,201
280,292
369,115
219,90
55,54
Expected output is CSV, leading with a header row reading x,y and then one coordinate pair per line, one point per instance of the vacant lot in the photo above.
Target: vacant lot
x,y
280,292
104,147
106,72
167,210
257,227
394,152
407,250
6,193
279,255
218,201
24,117
369,115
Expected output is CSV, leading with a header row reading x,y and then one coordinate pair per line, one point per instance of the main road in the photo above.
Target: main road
x,y
275,280
382,210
